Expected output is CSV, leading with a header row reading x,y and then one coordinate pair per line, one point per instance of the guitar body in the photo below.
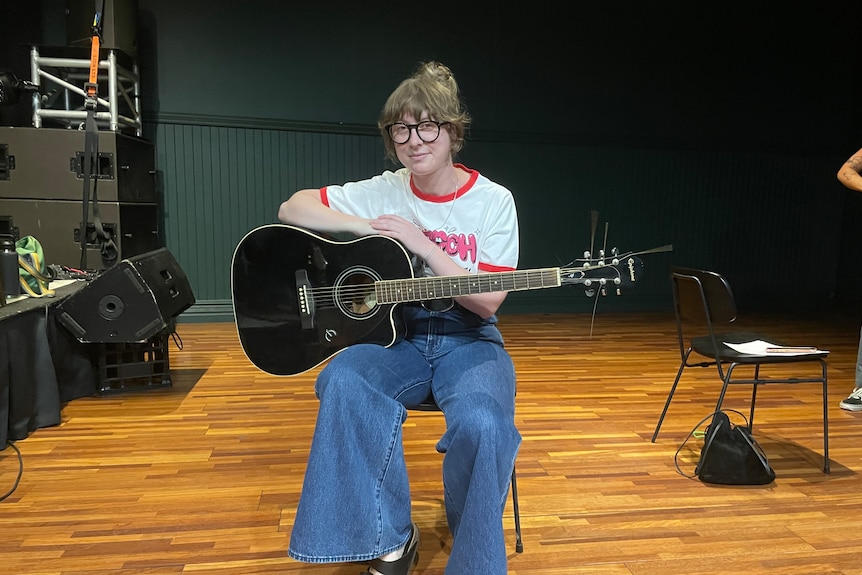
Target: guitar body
x,y
300,298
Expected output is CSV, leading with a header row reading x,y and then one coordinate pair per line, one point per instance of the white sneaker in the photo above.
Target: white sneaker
x,y
853,401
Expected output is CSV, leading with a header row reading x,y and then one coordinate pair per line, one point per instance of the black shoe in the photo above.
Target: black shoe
x,y
405,564
853,402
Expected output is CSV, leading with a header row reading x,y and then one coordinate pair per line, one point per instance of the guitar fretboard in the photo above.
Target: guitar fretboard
x,y
428,288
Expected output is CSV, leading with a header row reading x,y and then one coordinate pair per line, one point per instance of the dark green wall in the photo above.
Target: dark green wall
x,y
719,134
736,75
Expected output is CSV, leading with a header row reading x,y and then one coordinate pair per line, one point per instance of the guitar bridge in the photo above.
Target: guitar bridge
x,y
305,299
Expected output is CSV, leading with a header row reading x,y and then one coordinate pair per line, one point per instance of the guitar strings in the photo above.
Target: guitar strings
x,y
326,295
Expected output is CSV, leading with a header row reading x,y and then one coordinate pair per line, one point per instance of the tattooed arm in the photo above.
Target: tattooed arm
x,y
850,173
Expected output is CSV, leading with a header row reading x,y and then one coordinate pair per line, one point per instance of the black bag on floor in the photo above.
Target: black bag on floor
x,y
730,455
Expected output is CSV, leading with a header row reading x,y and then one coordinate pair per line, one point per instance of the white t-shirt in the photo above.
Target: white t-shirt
x,y
477,226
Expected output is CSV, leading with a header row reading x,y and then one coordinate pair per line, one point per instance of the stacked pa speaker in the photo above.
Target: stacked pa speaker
x,y
130,302
41,190
119,23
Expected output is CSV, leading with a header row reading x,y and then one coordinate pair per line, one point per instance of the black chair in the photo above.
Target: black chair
x,y
704,304
430,405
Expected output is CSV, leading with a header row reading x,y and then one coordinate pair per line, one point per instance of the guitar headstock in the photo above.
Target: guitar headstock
x,y
614,272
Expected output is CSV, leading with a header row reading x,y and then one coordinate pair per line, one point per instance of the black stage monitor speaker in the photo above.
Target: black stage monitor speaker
x,y
130,302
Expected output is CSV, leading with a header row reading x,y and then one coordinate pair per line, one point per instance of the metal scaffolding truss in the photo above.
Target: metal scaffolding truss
x,y
61,73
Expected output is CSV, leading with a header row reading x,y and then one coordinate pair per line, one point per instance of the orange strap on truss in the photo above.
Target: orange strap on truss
x,y
92,85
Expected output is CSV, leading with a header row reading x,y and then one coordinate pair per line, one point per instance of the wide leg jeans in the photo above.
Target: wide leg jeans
x,y
355,502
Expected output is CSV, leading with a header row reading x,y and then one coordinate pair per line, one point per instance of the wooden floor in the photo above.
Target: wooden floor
x,y
203,478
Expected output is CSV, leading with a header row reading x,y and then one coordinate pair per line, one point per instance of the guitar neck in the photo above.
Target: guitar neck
x,y
429,288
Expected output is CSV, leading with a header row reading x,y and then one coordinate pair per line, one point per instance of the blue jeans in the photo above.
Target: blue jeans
x,y
355,502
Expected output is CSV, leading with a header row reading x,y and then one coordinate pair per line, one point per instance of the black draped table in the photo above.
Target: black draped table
x,y
41,365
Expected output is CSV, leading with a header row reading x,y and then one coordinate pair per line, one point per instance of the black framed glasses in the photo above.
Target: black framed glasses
x,y
427,130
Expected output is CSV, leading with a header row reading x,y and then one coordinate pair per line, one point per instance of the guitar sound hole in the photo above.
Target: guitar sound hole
x,y
354,293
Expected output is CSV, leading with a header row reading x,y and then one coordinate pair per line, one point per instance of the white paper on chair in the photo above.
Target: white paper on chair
x,y
760,347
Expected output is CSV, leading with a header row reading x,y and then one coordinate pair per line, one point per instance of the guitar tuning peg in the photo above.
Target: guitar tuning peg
x,y
615,251
619,292
590,292
604,292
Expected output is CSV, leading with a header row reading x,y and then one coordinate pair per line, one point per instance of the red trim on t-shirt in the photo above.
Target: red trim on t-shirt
x,y
474,175
324,199
483,267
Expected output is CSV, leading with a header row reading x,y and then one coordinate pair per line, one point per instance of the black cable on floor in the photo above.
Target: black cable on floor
x,y
20,471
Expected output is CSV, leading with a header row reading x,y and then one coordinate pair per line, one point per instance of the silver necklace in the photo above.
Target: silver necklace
x,y
448,215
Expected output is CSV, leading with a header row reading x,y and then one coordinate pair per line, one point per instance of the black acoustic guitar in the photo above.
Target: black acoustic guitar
x,y
300,298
